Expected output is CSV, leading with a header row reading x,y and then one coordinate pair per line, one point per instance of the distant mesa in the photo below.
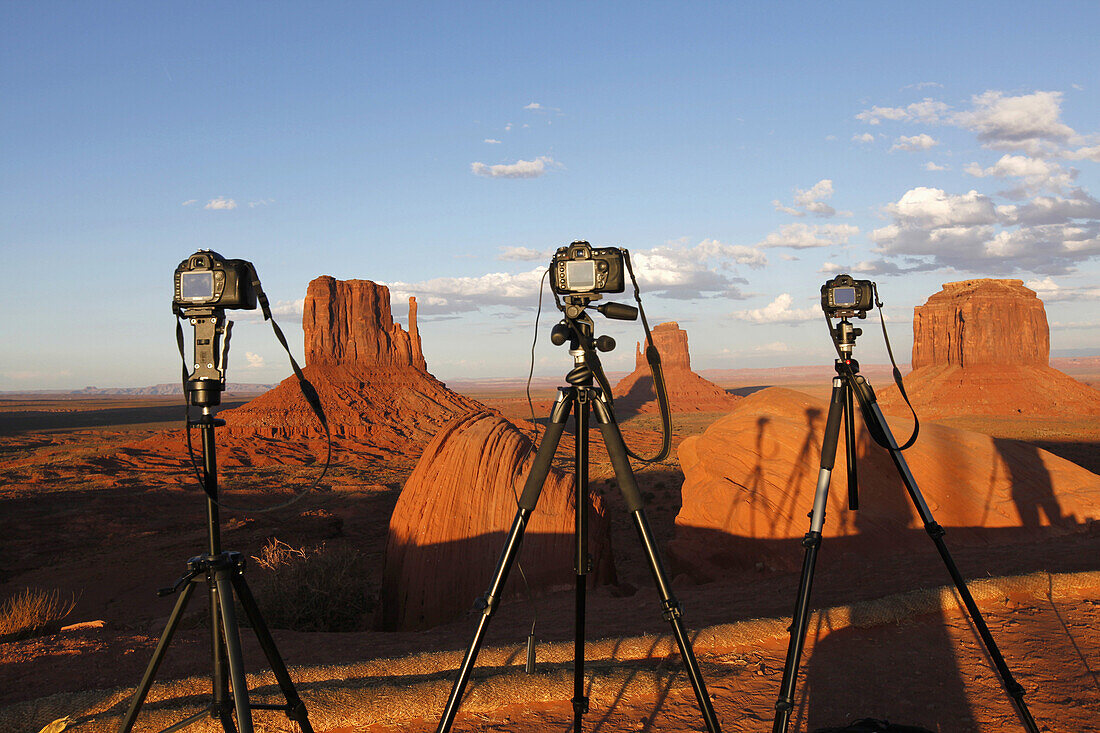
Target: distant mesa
x,y
448,528
369,372
982,347
687,391
750,479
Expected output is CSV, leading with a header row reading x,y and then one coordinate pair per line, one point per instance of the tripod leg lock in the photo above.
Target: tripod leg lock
x,y
784,705
812,539
486,604
580,705
935,531
296,711
673,610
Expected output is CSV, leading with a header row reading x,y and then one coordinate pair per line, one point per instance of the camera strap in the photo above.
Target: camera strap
x,y
653,357
897,374
309,392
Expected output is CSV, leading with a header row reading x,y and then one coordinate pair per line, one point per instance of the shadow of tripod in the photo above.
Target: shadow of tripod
x,y
581,397
849,383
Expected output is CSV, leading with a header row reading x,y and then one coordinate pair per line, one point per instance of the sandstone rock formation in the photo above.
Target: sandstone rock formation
x,y
368,371
687,391
982,347
449,525
750,480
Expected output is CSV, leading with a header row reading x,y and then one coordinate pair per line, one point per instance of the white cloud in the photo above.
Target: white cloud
x,y
221,204
864,138
922,141
778,311
255,361
463,294
805,236
927,110
188,202
289,307
932,207
519,169
1035,172
261,202
932,167
491,141
533,105
1029,122
508,127
522,254
812,201
1089,153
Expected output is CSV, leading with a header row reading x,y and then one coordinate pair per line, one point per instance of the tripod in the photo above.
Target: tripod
x,y
579,398
848,382
222,572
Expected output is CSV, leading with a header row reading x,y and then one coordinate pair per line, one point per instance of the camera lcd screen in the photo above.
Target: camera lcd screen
x,y
197,285
580,276
844,296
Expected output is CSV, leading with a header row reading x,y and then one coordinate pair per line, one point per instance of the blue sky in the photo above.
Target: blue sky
x,y
743,153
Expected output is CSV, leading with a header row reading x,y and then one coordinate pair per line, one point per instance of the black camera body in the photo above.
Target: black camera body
x,y
844,297
208,280
582,268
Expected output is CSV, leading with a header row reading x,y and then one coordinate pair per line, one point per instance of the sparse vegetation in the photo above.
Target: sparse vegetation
x,y
323,588
33,612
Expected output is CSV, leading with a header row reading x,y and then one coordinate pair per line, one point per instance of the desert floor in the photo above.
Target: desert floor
x,y
98,502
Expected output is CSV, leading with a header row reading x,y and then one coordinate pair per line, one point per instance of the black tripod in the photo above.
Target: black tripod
x,y
579,398
847,383
221,571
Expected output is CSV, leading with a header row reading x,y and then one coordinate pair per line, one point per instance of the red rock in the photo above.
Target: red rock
x,y
982,347
368,371
687,391
448,528
750,478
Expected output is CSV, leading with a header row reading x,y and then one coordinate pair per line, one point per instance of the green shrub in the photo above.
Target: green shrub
x,y
323,588
33,612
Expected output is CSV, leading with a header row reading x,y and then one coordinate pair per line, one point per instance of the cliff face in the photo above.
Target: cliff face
x,y
368,371
980,323
349,322
448,528
687,391
749,480
982,347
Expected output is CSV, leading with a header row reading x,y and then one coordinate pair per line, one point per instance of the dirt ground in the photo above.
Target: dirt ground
x,y
93,511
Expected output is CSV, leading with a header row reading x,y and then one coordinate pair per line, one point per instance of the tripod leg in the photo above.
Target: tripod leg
x,y
812,542
673,611
295,708
581,563
488,603
232,638
1015,690
158,657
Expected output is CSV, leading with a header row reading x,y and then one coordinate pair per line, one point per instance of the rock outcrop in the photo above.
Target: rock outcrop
x,y
368,371
687,391
448,528
750,480
982,347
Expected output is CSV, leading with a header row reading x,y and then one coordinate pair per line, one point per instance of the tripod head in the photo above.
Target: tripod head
x,y
844,335
577,326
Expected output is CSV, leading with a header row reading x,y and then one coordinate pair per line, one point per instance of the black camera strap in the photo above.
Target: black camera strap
x,y
897,374
653,357
309,392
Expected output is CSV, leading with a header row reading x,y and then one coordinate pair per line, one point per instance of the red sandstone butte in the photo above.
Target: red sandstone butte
x,y
449,526
687,391
368,371
982,347
750,479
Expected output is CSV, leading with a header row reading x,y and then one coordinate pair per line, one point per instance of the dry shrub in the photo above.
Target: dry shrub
x,y
323,588
33,612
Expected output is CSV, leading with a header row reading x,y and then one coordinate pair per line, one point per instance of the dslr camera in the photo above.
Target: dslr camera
x,y
208,280
582,268
844,297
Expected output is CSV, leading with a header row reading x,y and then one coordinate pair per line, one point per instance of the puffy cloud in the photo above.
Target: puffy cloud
x,y
255,361
932,167
927,110
491,141
221,204
932,207
188,202
922,141
519,169
1035,172
1028,122
1052,209
878,267
863,138
1089,153
811,200
533,105
778,311
1050,291
463,294
522,254
805,236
